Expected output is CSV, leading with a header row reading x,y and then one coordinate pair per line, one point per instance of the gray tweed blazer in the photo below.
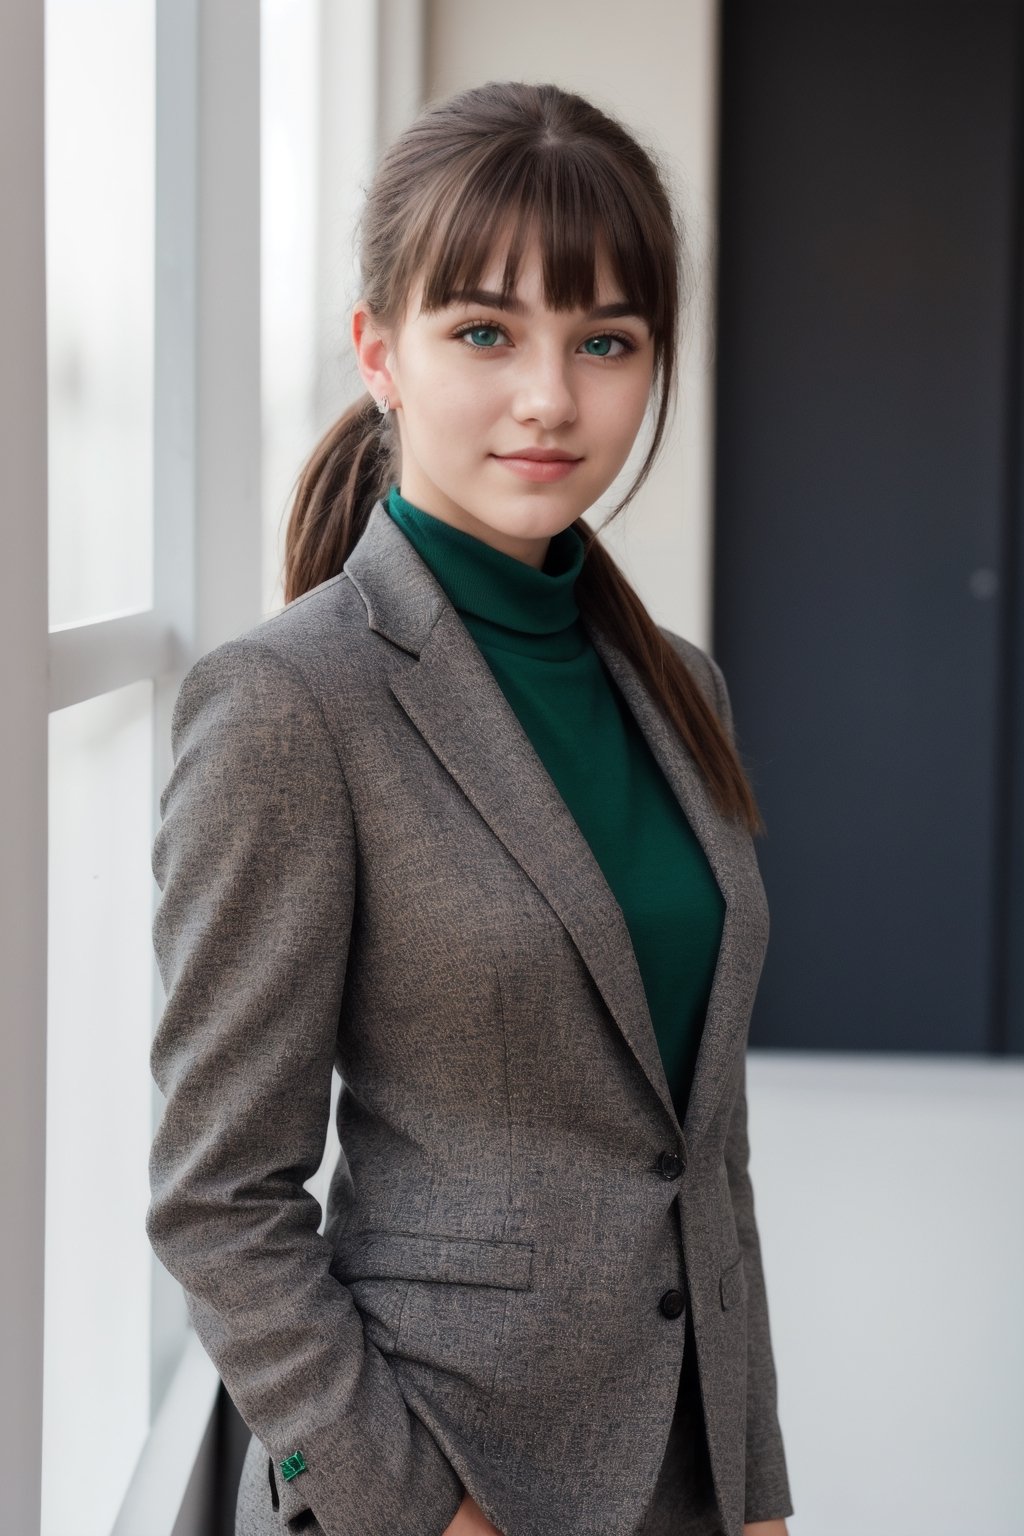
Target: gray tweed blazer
x,y
363,864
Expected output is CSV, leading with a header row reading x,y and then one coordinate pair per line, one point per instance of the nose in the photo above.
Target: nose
x,y
544,391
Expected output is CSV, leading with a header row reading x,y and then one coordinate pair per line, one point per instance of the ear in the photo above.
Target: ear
x,y
373,347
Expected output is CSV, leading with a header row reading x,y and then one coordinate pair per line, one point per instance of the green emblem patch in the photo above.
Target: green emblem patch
x,y
293,1465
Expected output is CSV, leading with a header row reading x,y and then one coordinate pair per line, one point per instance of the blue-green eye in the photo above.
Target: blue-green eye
x,y
474,330
486,328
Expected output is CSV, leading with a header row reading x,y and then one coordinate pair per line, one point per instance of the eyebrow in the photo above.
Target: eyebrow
x,y
517,307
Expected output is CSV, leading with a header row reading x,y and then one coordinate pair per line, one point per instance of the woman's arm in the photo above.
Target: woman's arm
x,y
767,1485
255,860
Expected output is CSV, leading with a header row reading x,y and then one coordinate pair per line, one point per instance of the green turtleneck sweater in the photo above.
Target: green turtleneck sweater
x,y
526,624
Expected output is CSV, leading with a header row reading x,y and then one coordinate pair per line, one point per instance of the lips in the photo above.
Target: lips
x,y
544,470
542,455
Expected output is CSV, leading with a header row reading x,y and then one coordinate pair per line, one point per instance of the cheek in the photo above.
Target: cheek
x,y
452,395
617,415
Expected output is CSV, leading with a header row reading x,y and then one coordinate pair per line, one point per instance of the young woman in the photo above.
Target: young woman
x,y
462,821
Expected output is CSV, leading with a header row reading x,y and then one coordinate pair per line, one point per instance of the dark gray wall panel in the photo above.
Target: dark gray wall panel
x,y
866,424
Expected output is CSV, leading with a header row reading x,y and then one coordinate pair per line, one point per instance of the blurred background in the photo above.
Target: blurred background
x,y
837,517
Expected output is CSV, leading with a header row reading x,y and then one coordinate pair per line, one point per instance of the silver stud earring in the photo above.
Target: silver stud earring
x,y
383,406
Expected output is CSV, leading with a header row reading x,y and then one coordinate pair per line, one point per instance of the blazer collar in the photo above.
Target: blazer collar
x,y
454,701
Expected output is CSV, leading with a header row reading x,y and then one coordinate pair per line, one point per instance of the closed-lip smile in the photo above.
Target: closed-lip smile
x,y
542,455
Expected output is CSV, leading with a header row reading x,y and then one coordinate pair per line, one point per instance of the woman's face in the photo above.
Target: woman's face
x,y
474,384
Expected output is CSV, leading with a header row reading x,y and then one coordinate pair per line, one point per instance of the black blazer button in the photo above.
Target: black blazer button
x,y
672,1303
670,1165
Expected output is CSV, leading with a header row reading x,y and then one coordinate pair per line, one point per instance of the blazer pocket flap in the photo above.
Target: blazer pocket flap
x,y
733,1283
429,1256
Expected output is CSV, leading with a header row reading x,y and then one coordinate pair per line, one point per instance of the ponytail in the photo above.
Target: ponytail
x,y
605,596
350,468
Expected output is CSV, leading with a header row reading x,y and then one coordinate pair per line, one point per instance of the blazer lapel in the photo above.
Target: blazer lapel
x,y
732,857
453,699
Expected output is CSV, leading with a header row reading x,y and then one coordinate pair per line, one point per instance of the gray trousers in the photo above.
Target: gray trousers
x,y
683,1502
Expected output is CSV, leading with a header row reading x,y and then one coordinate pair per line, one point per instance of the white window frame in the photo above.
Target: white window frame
x,y
207,588
23,800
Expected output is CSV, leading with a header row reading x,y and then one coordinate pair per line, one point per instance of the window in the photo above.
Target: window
x,y
99,158
163,392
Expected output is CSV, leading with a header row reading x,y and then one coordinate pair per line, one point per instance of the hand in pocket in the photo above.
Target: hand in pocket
x,y
470,1520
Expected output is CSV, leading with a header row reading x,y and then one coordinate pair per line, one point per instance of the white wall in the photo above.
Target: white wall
x,y
888,1194
653,65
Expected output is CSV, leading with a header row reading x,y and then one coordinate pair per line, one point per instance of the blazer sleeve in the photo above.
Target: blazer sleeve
x,y
767,1483
255,858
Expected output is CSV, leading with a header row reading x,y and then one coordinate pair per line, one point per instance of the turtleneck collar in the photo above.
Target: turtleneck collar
x,y
489,585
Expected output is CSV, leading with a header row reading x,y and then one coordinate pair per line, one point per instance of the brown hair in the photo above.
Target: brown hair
x,y
509,156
